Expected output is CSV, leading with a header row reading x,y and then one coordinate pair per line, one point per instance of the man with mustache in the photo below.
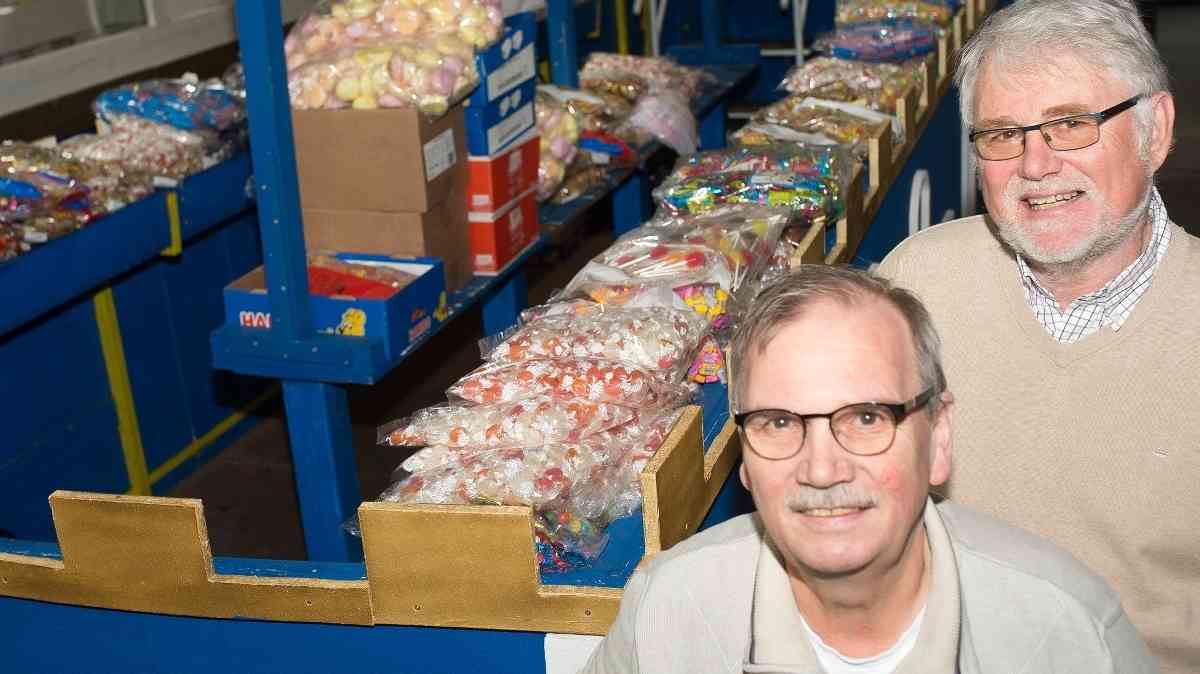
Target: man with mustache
x,y
1071,311
848,566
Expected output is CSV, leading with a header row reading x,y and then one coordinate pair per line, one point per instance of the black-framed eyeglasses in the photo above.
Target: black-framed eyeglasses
x,y
864,429
1065,133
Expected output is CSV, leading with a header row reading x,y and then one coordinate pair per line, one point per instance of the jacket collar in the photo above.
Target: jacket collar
x,y
777,642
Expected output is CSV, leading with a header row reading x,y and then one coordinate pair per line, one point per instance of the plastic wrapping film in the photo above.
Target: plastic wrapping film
x,y
877,85
595,380
559,132
147,147
602,140
851,12
667,116
606,71
807,179
885,41
846,124
524,423
427,74
183,103
653,339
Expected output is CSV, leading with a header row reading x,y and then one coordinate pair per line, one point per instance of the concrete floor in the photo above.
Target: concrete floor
x,y
248,490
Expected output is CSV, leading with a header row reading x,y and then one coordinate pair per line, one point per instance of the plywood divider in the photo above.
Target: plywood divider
x,y
971,16
851,228
929,71
880,164
811,249
944,56
959,31
150,554
906,111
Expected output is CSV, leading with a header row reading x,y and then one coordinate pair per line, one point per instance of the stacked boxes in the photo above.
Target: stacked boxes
x,y
503,146
388,181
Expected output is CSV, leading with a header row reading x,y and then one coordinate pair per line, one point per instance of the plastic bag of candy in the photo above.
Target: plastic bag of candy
x,y
592,111
333,25
10,240
140,146
36,181
429,75
884,41
583,178
181,103
628,85
621,494
559,132
665,114
659,73
563,541
849,125
599,381
662,340
851,12
525,423
758,134
877,85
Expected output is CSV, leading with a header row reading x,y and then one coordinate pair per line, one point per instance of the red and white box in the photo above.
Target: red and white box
x,y
493,182
497,238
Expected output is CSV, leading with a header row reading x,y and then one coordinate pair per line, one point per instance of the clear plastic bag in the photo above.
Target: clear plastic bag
x,y
592,111
852,12
884,41
333,25
42,193
666,115
809,180
849,125
559,132
602,69
525,423
594,380
429,75
181,103
662,340
877,85
622,494
140,145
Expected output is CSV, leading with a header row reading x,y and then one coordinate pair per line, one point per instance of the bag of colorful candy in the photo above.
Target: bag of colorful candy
x,y
592,111
39,188
657,340
660,73
183,103
402,72
851,126
853,12
595,380
559,132
877,85
10,241
141,146
643,436
524,423
884,41
333,25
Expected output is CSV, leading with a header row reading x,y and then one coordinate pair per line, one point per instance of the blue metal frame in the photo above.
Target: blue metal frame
x,y
564,44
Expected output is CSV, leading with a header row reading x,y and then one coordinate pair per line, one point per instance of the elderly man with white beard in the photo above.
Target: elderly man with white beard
x,y
1071,311
848,566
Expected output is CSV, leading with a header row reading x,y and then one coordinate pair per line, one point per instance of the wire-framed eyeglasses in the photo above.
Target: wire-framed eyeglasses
x,y
1065,133
864,429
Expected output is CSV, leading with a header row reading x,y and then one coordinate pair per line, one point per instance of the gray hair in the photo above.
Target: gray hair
x,y
787,299
1107,33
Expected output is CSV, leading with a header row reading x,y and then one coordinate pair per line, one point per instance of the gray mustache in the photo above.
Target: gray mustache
x,y
837,496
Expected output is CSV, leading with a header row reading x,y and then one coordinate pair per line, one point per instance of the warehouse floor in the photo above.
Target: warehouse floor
x,y
248,490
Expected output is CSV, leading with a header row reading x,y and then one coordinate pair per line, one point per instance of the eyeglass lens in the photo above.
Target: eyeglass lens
x,y
1072,133
860,429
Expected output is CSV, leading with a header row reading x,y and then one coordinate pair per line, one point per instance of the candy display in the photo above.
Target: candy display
x,y
403,72
559,133
877,85
849,125
656,340
659,73
883,41
667,116
183,104
807,179
525,423
643,436
628,85
599,381
850,12
144,146
592,111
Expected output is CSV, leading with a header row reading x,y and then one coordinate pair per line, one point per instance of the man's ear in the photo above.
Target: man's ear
x,y
1163,136
745,476
941,442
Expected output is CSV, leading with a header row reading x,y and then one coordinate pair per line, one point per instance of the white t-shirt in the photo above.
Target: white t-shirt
x,y
884,663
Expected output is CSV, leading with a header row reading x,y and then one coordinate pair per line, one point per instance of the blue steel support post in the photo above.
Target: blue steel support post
x,y
712,127
631,202
712,22
318,419
502,307
564,46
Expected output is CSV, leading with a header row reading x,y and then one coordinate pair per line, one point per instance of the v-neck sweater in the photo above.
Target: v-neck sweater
x,y
1094,445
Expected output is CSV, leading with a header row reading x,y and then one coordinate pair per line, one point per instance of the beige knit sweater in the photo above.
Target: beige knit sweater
x,y
1095,445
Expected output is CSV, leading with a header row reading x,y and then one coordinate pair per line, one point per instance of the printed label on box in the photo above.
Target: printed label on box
x,y
513,73
439,155
504,132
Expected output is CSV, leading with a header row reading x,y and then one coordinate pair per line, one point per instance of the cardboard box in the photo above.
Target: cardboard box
x,y
377,160
398,320
494,182
497,238
500,111
440,232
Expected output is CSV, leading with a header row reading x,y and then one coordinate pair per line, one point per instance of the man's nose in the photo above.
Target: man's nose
x,y
1039,159
823,461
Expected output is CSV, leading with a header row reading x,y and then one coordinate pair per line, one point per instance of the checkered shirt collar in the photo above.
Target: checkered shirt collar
x,y
1109,306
